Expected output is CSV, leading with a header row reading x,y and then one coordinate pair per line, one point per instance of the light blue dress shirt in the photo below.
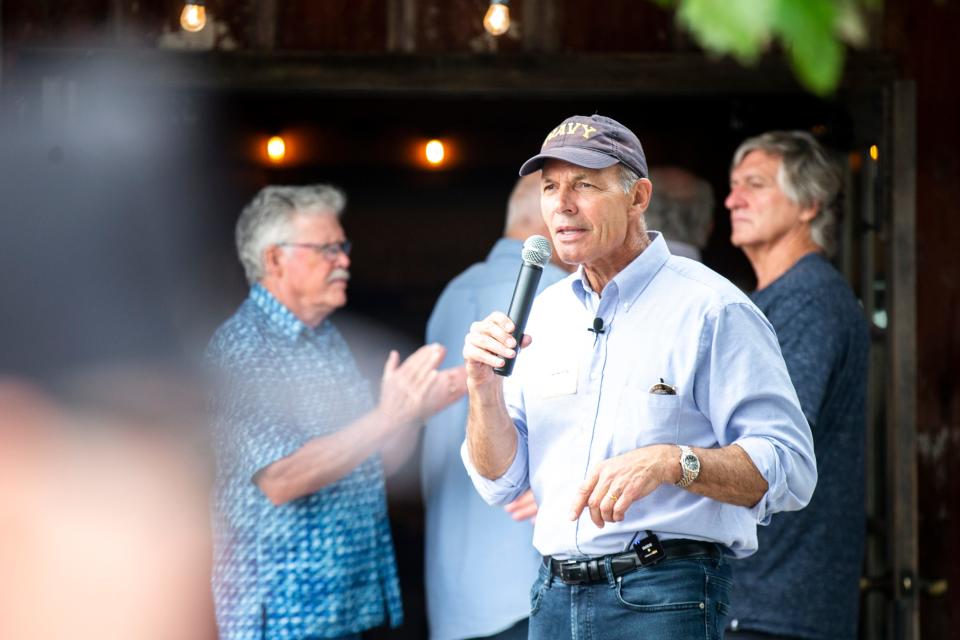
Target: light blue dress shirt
x,y
577,399
479,561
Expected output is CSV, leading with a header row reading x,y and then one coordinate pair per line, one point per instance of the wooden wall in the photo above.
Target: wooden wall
x,y
923,34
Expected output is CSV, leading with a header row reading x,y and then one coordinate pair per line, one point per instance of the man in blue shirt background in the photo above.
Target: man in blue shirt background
x,y
480,561
302,544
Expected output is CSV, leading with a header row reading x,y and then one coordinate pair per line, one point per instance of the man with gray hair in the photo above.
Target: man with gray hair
x,y
302,543
803,583
681,208
462,530
649,410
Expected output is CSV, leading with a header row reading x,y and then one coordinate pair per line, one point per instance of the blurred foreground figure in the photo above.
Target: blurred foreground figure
x,y
480,559
804,581
104,529
681,208
302,541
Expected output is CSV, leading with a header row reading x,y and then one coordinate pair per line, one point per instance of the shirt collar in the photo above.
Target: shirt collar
x,y
634,278
279,316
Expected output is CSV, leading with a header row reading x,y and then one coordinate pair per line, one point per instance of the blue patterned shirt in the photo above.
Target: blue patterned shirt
x,y
321,565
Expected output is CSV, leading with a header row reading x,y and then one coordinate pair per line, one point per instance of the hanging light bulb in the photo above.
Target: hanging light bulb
x,y
276,149
434,152
194,16
497,20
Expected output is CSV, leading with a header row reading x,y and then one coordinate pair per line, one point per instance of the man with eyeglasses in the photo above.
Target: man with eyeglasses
x,y
302,542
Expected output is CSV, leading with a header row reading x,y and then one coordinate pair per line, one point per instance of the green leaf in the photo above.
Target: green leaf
x,y
737,27
807,29
818,69
813,32
797,20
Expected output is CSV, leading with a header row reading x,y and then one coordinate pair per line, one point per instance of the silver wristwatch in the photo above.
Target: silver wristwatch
x,y
689,466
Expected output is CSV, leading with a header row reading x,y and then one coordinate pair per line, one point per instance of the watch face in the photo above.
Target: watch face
x,y
691,462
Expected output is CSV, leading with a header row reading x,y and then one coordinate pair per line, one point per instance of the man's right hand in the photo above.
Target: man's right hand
x,y
404,390
487,346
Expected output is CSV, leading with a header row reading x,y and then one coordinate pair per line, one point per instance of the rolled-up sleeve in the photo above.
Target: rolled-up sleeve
x,y
745,389
507,487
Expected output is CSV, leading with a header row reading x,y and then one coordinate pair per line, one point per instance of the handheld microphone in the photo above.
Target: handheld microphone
x,y
536,252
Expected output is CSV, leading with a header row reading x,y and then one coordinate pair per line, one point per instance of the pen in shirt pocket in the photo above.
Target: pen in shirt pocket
x,y
663,389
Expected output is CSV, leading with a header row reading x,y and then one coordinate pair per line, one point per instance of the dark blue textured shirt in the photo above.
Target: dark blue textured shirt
x,y
319,566
803,580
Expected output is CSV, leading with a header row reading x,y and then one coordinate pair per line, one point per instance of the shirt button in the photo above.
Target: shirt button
x,y
734,624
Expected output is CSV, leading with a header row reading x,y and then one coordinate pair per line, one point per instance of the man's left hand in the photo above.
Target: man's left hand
x,y
523,508
616,483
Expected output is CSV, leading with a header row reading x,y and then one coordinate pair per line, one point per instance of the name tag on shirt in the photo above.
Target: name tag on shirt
x,y
558,381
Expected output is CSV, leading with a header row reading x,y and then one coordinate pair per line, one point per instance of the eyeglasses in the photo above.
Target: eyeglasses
x,y
331,250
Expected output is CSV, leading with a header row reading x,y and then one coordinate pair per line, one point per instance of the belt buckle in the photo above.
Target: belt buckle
x,y
574,572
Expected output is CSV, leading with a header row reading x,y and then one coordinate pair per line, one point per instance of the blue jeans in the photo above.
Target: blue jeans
x,y
683,599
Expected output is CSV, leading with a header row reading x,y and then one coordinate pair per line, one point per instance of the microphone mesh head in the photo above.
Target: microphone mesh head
x,y
536,250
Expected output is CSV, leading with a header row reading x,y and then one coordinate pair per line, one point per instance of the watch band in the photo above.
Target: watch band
x,y
688,475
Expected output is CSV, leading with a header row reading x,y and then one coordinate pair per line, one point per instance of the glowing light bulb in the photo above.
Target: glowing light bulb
x,y
874,152
434,152
497,20
194,16
276,149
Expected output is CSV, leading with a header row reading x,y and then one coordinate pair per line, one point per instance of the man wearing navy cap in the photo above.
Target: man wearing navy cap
x,y
650,412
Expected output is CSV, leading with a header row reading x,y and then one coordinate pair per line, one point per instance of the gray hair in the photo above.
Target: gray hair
x,y
628,178
807,176
267,219
681,206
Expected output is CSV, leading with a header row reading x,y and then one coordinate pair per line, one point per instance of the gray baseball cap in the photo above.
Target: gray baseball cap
x,y
594,142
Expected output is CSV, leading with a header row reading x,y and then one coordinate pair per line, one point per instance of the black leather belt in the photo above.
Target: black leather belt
x,y
595,570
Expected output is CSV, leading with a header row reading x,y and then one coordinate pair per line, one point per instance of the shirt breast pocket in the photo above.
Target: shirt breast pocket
x,y
646,418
